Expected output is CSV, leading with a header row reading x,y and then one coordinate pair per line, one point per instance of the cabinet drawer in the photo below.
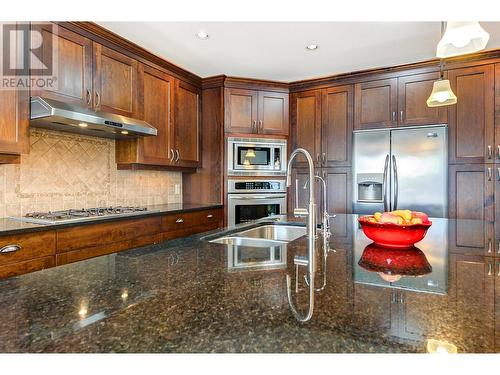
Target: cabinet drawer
x,y
22,247
105,233
183,221
27,266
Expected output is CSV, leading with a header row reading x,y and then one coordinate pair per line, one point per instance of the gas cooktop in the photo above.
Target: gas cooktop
x,y
75,215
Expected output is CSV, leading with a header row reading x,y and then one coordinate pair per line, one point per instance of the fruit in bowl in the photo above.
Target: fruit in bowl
x,y
396,229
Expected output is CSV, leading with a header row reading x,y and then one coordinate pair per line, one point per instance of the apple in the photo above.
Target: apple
x,y
421,216
388,217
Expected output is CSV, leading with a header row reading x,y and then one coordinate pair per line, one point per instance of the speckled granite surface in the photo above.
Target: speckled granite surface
x,y
190,295
10,226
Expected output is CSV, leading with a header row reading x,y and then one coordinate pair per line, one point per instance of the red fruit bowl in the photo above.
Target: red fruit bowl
x,y
393,235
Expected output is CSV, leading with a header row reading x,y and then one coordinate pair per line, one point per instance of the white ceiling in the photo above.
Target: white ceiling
x,y
276,50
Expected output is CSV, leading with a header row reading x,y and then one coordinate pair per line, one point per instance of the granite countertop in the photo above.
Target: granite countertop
x,y
10,226
190,295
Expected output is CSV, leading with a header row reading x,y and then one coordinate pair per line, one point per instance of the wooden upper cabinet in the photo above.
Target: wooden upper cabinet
x,y
413,91
186,130
115,82
241,110
257,112
14,122
375,104
306,124
273,113
337,124
471,120
157,88
74,65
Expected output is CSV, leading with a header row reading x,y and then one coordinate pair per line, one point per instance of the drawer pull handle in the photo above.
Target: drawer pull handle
x,y
179,220
10,248
210,216
490,269
489,173
489,246
490,152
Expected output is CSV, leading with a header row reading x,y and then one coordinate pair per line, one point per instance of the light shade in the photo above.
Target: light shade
x,y
250,153
441,94
461,38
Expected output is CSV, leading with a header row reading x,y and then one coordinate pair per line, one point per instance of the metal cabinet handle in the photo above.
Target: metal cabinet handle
x,y
254,125
97,99
324,159
318,158
10,248
180,220
498,249
401,116
172,155
261,124
498,174
89,96
498,149
489,174
498,274
177,156
489,246
490,152
393,297
394,116
401,298
209,216
490,268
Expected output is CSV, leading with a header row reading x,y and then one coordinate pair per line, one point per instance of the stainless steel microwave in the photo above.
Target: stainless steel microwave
x,y
256,157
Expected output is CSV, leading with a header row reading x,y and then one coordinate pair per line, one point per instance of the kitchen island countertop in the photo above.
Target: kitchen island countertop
x,y
187,295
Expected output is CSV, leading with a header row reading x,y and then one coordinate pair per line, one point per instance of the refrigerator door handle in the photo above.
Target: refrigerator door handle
x,y
395,170
384,183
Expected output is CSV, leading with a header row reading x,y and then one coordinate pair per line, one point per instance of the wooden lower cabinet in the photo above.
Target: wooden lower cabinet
x,y
39,250
24,253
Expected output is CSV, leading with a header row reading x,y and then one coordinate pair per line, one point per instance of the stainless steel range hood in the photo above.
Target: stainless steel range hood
x,y
56,115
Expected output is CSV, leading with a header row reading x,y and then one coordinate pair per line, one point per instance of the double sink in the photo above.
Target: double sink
x,y
261,247
268,235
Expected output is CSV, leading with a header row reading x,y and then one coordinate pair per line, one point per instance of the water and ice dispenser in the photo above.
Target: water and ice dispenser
x,y
370,187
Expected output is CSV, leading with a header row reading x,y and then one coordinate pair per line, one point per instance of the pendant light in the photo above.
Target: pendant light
x,y
461,38
442,93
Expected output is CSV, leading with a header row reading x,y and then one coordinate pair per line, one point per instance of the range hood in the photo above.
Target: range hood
x,y
56,115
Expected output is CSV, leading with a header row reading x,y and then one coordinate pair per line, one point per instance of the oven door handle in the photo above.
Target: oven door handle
x,y
252,197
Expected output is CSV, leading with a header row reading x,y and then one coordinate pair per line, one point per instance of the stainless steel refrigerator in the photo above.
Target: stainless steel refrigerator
x,y
402,168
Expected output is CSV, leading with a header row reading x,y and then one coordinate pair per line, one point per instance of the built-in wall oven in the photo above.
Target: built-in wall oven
x,y
256,157
253,199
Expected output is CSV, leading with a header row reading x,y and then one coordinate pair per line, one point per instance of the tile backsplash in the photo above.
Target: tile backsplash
x,y
65,170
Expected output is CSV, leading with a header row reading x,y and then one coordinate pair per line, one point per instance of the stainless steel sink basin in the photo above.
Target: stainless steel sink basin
x,y
249,242
284,233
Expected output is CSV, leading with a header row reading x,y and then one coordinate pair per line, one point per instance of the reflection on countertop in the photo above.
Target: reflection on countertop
x,y
181,296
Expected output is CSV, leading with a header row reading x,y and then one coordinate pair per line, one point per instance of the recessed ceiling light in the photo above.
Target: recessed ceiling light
x,y
312,47
203,35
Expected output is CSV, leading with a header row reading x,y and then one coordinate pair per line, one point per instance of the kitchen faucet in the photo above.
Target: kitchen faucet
x,y
308,261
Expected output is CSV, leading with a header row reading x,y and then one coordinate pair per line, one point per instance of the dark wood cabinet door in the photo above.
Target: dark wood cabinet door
x,y
74,65
241,110
14,121
336,129
471,291
471,202
497,305
116,86
471,188
471,120
413,92
186,130
338,199
497,112
306,125
273,109
375,104
158,103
